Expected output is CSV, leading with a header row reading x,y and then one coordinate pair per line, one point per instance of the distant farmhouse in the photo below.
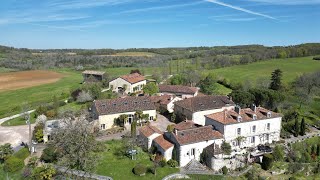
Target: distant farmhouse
x,y
183,92
92,76
107,111
196,108
131,83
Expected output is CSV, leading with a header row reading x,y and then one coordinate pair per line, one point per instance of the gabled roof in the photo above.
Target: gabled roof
x,y
195,135
121,105
93,72
178,89
148,130
187,124
231,116
133,78
163,143
202,103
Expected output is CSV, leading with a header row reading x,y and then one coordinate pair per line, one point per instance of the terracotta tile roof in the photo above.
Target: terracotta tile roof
x,y
148,130
178,89
93,72
187,124
164,99
163,143
202,103
196,135
133,78
230,116
121,105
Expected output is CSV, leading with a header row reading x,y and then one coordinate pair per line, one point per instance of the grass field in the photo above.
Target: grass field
x,y
120,167
291,67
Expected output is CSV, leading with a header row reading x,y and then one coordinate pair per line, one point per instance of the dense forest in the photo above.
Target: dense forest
x,y
207,57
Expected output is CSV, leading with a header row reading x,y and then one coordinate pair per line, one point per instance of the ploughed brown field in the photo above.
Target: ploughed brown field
x,y
23,79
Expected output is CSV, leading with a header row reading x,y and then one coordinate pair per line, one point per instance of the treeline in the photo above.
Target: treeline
x,y
205,57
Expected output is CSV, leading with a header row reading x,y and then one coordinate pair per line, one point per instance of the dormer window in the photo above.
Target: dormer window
x,y
269,114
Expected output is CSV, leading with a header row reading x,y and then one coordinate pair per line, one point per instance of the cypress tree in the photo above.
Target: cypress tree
x,y
303,127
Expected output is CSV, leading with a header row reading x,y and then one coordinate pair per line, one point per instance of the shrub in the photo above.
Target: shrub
x,y
224,170
267,161
139,169
22,153
172,163
163,162
13,164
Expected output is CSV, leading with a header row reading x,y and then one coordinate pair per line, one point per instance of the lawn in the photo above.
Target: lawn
x,y
120,167
20,121
291,67
11,101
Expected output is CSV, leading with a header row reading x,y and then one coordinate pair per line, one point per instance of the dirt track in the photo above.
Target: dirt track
x,y
23,79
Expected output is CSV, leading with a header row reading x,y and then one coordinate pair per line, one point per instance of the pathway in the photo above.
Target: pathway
x,y
14,116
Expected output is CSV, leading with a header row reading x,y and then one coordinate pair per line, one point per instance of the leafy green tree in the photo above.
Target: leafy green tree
x,y
276,80
278,153
5,151
267,161
303,127
150,88
296,128
226,148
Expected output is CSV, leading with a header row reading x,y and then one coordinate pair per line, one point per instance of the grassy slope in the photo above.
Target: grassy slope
x,y
292,68
121,167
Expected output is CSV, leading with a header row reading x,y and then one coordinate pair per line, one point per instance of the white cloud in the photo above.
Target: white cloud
x,y
240,9
288,2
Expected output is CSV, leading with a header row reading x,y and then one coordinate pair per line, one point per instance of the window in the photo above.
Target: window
x,y
253,139
103,126
239,131
254,129
268,126
151,118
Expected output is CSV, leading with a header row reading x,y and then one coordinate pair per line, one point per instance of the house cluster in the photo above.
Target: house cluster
x,y
208,122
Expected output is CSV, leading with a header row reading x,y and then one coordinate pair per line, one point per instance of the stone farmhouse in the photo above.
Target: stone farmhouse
x,y
106,111
183,92
131,83
196,108
92,76
165,102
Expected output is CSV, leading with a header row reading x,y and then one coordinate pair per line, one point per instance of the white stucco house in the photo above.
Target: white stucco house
x,y
165,102
247,127
106,111
196,108
147,134
180,91
131,83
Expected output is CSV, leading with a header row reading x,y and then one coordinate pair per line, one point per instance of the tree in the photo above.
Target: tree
x,y
303,127
296,128
150,88
267,161
5,151
226,148
76,141
276,80
278,153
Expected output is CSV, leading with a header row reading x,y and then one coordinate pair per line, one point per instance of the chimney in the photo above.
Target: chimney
x,y
254,107
237,109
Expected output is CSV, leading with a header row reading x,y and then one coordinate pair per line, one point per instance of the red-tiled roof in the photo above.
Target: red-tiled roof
x,y
133,78
121,105
202,103
178,89
231,116
187,124
163,143
93,72
196,135
148,130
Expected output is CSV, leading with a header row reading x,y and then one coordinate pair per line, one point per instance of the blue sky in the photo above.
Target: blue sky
x,y
157,23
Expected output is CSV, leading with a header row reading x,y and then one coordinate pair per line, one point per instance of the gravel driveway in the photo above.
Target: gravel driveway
x,y
14,134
